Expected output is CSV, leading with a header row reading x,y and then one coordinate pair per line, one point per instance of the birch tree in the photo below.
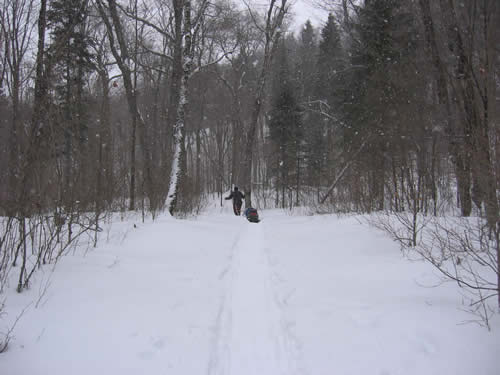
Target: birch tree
x,y
187,32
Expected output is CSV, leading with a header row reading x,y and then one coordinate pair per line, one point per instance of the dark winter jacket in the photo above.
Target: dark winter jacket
x,y
237,196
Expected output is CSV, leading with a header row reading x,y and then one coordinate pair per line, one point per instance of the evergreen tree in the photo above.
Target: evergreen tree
x,y
306,74
285,130
328,95
330,63
68,24
305,69
378,87
67,20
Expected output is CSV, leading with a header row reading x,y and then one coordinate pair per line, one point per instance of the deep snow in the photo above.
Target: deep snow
x,y
218,295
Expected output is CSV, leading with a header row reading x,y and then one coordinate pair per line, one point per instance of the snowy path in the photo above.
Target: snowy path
x,y
293,295
251,336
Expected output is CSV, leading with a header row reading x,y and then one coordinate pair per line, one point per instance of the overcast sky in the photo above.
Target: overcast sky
x,y
303,10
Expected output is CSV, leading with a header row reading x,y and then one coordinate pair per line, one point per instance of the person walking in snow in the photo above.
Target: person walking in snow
x,y
237,197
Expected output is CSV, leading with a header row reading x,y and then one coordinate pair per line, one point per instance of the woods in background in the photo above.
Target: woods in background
x,y
118,91
110,105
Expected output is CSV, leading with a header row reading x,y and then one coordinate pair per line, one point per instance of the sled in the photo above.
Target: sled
x,y
252,215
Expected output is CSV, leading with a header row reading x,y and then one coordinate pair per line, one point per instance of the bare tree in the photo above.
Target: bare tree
x,y
273,22
237,82
189,32
119,48
17,27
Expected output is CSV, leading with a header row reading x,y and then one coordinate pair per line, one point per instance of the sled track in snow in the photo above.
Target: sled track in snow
x,y
251,336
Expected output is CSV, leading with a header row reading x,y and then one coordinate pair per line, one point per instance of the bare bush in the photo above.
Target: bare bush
x,y
404,227
28,243
463,250
6,337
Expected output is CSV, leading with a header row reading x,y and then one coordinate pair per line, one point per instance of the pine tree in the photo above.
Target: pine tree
x,y
384,41
306,73
67,22
330,63
328,95
70,39
305,69
285,130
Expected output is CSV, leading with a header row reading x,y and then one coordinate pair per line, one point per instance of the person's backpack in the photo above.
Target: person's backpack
x,y
252,215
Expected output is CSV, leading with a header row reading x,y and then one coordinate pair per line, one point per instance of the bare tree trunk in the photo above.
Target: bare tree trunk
x,y
274,20
14,140
68,134
345,11
38,121
22,228
237,127
104,168
121,58
198,156
15,26
236,149
343,170
105,138
488,101
133,142
457,148
178,162
199,186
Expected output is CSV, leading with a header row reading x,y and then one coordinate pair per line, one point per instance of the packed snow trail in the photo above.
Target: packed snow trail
x,y
251,336
216,295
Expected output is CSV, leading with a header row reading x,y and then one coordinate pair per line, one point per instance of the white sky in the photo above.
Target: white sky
x,y
303,10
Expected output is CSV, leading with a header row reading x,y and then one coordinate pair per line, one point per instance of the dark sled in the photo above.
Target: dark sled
x,y
252,215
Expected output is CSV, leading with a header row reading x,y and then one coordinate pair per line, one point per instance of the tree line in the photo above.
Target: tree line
x,y
108,105
101,100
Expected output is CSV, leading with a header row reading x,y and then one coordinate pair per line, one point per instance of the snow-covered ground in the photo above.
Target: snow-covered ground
x,y
218,295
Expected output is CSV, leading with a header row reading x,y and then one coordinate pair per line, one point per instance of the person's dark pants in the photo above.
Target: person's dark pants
x,y
237,208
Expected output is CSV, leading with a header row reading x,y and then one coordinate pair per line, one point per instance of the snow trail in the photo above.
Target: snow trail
x,y
251,337
294,295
